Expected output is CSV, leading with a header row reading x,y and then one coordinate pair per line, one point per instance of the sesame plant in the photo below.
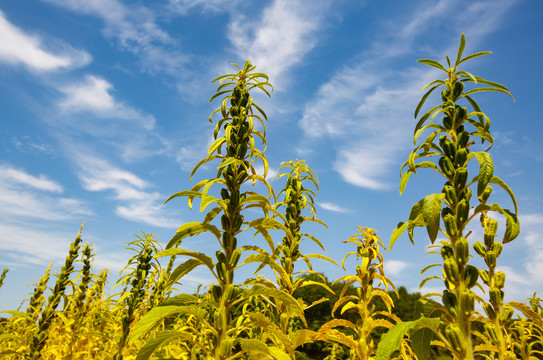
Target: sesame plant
x,y
369,276
135,281
235,151
284,329
266,316
453,143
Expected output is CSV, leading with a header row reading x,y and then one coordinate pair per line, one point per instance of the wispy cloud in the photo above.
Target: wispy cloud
x,y
214,6
135,30
332,207
93,95
91,107
26,196
135,203
526,276
280,39
363,111
19,47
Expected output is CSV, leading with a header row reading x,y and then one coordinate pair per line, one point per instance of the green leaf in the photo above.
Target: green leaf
x,y
155,316
473,56
191,229
528,312
182,270
425,96
206,260
431,213
392,340
405,178
496,180
486,170
397,233
162,338
420,341
512,226
18,313
487,89
189,193
432,63
253,345
460,49
278,354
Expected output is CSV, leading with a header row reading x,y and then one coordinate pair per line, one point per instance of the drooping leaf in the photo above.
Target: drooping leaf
x,y
206,260
512,226
432,63
420,341
161,339
486,170
425,96
182,270
400,228
18,313
191,229
528,312
496,180
431,213
405,178
157,314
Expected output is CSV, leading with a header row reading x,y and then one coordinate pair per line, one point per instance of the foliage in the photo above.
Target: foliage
x,y
297,313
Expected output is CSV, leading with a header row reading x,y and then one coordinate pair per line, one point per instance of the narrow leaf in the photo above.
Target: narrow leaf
x,y
425,96
473,56
496,180
432,63
460,49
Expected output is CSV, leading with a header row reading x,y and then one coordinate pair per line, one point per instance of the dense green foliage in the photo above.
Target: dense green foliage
x,y
295,312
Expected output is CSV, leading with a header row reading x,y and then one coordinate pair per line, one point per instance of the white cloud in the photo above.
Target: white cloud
x,y
18,176
395,267
136,31
332,207
18,47
134,202
93,95
22,197
281,38
184,6
32,244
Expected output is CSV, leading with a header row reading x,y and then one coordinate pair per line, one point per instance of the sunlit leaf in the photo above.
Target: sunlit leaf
x,y
486,171
431,213
460,49
161,339
432,63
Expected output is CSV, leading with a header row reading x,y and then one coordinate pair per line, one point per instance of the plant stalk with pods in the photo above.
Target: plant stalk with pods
x,y
452,142
235,149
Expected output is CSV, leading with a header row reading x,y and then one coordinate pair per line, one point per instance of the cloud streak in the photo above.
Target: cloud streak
x,y
135,203
135,30
24,196
280,39
18,47
93,95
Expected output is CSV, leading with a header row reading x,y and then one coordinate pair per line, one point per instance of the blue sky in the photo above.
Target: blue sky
x,y
105,106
